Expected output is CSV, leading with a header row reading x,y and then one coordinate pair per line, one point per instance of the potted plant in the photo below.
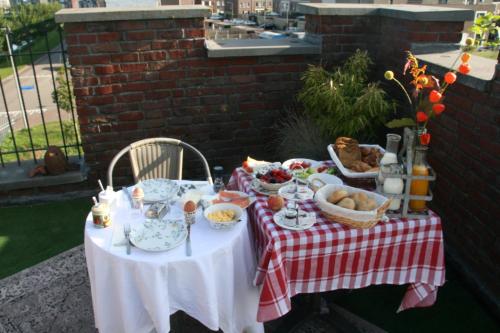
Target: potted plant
x,y
427,92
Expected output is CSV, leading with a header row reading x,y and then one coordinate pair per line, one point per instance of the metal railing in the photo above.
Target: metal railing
x,y
38,109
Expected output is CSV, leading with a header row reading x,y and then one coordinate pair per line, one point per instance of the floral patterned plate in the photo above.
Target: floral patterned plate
x,y
156,235
158,189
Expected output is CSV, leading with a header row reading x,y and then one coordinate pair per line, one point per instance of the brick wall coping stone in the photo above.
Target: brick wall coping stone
x,y
480,76
130,13
406,12
259,47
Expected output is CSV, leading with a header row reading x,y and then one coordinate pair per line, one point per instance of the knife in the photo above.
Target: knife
x,y
188,241
127,193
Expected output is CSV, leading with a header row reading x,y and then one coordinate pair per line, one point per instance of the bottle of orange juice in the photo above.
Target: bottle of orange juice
x,y
419,187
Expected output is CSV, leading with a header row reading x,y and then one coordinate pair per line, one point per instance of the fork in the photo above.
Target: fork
x,y
126,230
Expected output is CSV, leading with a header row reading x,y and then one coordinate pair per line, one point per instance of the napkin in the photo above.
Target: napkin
x,y
118,237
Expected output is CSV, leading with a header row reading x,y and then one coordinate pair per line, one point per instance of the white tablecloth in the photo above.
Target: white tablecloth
x,y
138,292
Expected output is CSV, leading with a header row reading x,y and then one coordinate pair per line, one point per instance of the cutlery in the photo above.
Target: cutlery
x,y
126,230
188,241
127,193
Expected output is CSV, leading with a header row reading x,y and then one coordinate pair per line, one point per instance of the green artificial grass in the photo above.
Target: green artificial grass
x,y
30,234
39,45
456,309
38,136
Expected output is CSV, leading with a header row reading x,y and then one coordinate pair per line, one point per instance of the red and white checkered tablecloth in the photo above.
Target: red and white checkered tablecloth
x,y
332,256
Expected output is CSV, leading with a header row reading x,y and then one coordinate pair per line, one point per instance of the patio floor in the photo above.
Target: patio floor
x,y
54,296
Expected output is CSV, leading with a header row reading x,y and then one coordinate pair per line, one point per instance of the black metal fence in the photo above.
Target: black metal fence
x,y
38,106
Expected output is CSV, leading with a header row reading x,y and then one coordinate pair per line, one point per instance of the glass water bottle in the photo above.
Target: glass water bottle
x,y
218,178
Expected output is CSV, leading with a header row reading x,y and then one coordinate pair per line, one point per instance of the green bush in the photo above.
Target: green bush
x,y
28,21
342,102
298,136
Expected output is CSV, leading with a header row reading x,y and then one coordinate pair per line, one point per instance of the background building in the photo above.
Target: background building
x,y
240,7
479,6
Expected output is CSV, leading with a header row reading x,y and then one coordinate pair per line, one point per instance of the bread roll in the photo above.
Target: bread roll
x,y
347,203
366,205
337,196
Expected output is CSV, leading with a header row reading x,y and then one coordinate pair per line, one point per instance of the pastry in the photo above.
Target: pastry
x,y
337,196
360,166
347,150
347,203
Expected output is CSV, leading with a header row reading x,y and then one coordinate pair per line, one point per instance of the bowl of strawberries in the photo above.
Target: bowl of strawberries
x,y
274,179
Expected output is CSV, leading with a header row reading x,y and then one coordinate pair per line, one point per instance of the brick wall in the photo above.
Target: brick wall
x,y
465,152
384,37
141,79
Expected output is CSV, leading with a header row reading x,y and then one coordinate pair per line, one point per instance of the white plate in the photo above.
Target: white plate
x,y
155,235
349,173
305,222
288,192
241,195
313,163
158,189
257,188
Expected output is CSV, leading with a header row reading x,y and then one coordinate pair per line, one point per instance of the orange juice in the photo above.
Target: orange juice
x,y
419,187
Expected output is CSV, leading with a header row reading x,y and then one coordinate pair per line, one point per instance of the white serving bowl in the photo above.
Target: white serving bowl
x,y
223,206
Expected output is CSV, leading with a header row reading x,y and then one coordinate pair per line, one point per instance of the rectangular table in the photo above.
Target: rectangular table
x,y
331,256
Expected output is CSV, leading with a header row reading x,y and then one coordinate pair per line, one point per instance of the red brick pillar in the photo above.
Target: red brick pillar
x,y
385,31
125,68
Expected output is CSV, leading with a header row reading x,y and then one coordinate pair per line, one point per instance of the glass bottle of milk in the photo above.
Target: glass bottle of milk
x,y
393,185
390,155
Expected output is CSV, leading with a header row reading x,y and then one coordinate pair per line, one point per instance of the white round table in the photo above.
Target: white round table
x,y
138,292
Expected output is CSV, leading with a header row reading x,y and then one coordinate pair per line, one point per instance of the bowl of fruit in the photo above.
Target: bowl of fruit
x,y
274,179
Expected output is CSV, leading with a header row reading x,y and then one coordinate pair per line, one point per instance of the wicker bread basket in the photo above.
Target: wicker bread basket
x,y
351,218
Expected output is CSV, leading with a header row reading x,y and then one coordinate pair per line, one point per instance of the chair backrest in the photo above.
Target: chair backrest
x,y
157,158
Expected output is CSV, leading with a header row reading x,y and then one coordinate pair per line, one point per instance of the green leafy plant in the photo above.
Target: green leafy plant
x,y
65,97
485,26
342,102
